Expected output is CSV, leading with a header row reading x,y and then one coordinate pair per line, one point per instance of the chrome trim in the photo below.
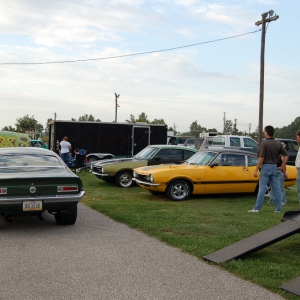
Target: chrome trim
x,y
145,182
99,174
54,199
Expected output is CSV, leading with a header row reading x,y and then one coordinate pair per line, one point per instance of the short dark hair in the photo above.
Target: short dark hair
x,y
298,132
270,130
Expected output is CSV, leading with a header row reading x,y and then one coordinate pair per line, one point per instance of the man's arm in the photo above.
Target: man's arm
x,y
259,163
284,160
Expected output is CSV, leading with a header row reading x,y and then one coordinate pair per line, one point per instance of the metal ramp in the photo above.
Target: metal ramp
x,y
290,226
292,286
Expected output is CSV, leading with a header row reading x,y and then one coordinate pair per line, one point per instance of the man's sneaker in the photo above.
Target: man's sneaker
x,y
253,210
279,211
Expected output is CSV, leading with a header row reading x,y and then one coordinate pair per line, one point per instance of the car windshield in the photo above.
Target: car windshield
x,y
201,158
29,161
146,153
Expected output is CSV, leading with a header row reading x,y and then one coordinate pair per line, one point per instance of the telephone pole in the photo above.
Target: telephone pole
x,y
224,122
117,105
263,22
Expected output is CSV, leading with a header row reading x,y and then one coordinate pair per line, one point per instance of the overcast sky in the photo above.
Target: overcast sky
x,y
200,82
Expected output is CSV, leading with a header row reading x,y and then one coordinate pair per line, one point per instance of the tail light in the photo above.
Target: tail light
x,y
3,191
63,189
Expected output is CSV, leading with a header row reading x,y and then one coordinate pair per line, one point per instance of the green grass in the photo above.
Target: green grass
x,y
204,224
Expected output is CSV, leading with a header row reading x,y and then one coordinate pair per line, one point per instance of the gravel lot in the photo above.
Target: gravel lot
x,y
98,258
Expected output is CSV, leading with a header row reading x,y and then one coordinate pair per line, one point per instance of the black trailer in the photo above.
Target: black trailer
x,y
119,139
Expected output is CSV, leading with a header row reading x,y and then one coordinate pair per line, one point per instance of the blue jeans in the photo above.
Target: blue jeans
x,y
65,157
268,173
298,184
282,191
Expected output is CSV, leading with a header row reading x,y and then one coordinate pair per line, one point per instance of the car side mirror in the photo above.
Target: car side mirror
x,y
214,165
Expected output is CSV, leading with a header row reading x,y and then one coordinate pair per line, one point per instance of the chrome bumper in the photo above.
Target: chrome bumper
x,y
54,199
145,182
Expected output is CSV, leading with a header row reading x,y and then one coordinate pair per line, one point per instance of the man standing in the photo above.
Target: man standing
x,y
297,164
268,154
65,148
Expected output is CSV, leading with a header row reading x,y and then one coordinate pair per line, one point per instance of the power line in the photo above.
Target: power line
x,y
133,54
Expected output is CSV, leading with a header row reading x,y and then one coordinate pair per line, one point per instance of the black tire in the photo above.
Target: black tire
x,y
66,217
178,190
124,179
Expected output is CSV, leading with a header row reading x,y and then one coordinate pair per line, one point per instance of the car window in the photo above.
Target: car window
x,y
169,154
235,142
250,143
218,141
187,154
201,158
29,161
146,153
252,160
225,159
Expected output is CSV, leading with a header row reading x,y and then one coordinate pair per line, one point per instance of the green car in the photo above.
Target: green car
x,y
38,143
120,170
35,180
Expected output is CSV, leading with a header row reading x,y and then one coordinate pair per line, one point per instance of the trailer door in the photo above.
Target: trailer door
x,y
140,138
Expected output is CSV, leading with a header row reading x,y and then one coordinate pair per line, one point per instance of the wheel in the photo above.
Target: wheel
x,y
93,158
66,217
124,179
178,190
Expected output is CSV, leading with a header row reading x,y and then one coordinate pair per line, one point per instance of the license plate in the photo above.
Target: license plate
x,y
32,205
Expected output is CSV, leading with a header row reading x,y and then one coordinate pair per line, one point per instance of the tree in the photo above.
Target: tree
x,y
29,125
228,127
142,118
87,117
195,129
158,121
8,128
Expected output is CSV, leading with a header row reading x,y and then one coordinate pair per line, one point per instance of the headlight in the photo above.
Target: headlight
x,y
149,177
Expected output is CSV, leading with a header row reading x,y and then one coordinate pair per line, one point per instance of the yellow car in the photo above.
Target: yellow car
x,y
207,172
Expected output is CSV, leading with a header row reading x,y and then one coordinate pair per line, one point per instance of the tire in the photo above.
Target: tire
x,y
66,217
124,179
178,190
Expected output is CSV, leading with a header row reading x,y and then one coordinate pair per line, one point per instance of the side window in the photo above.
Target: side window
x,y
234,160
235,142
249,143
187,154
169,154
252,161
288,146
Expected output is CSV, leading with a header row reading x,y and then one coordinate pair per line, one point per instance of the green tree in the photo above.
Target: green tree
x,y
228,127
87,117
158,121
8,128
195,129
29,125
142,118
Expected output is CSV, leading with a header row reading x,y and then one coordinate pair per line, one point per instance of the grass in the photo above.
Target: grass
x,y
204,224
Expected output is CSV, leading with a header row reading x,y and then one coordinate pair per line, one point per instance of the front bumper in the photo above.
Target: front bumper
x,y
145,183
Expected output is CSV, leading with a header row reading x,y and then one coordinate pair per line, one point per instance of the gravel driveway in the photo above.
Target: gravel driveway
x,y
98,258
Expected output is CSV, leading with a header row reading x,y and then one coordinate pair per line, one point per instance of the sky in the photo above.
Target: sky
x,y
177,60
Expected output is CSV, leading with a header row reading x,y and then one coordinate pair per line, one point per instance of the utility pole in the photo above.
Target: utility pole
x,y
117,105
224,122
263,22
55,116
235,131
249,128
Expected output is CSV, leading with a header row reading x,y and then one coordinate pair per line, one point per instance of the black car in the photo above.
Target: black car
x,y
35,180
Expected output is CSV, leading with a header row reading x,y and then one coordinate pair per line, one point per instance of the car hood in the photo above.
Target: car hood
x,y
113,161
166,167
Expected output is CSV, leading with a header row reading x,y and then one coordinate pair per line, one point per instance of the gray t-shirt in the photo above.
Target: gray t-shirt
x,y
270,149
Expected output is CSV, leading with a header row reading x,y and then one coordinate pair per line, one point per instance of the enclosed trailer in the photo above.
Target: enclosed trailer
x,y
119,139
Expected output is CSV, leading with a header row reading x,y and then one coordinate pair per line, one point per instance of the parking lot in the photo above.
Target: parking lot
x,y
98,258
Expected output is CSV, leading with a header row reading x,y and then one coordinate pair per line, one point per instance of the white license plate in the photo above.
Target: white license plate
x,y
32,205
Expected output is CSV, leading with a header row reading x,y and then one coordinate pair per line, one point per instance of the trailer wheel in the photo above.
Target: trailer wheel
x,y
66,217
124,179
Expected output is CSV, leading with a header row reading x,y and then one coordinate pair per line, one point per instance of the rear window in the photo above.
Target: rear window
x,y
29,161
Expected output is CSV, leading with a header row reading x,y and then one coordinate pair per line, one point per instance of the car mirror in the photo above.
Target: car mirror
x,y
214,165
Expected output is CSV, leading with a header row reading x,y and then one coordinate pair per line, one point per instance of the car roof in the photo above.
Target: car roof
x,y
229,150
173,147
285,140
25,150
